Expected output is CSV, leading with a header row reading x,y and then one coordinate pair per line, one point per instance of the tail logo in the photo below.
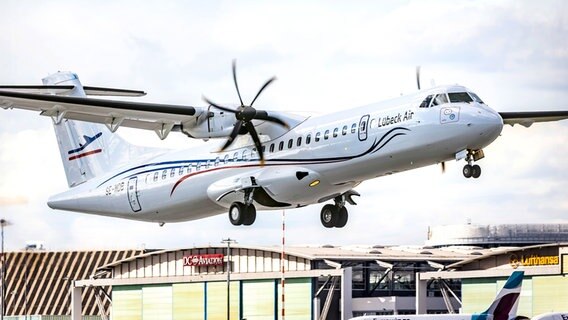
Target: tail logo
x,y
78,152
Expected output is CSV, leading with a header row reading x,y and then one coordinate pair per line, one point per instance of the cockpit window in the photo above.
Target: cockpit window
x,y
426,102
440,98
476,98
460,97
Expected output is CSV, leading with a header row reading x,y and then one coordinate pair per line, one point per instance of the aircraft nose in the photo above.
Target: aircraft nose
x,y
486,122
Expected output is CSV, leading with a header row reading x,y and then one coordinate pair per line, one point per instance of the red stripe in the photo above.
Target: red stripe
x,y
85,154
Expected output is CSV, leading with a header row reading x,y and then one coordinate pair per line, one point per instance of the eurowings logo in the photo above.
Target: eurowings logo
x,y
76,153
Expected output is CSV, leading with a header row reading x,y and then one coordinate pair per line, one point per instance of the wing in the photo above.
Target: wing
x,y
161,118
526,119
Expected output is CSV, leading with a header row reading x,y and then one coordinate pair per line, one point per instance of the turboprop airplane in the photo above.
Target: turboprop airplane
x,y
270,160
503,307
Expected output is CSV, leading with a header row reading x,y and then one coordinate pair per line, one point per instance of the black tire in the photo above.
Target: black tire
x,y
237,213
467,171
475,171
329,216
343,216
250,215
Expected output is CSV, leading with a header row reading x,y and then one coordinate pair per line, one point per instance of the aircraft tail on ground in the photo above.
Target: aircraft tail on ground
x,y
505,305
87,149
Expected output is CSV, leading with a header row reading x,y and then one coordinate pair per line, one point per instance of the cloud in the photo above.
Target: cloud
x,y
328,56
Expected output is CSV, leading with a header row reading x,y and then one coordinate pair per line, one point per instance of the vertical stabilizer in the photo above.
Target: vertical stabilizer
x,y
87,149
505,305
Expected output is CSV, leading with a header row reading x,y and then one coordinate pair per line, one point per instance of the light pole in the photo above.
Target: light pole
x,y
228,241
3,223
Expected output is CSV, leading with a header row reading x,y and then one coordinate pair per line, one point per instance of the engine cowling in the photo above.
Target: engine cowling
x,y
210,124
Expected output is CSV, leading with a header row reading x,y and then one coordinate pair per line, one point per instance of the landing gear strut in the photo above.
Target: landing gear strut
x,y
471,170
336,215
243,213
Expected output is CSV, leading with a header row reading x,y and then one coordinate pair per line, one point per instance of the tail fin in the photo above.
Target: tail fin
x,y
505,305
87,149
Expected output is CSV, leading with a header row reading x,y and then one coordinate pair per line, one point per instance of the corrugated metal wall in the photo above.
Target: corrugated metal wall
x,y
37,282
243,261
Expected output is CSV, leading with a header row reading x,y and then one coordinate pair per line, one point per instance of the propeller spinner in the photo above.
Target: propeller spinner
x,y
245,114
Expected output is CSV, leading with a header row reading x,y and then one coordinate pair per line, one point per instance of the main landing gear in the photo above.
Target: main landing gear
x,y
243,213
471,170
336,215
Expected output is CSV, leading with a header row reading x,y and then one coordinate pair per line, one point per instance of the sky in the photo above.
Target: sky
x,y
328,56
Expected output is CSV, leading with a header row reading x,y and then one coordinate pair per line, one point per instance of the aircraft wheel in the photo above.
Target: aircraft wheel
x,y
250,215
475,171
329,216
237,213
467,171
342,217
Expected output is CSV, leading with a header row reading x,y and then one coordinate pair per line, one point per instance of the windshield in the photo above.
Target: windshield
x,y
476,98
460,97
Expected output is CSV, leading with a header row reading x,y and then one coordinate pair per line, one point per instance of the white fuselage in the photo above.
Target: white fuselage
x,y
344,149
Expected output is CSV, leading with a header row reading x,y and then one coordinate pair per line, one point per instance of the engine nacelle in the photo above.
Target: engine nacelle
x,y
210,124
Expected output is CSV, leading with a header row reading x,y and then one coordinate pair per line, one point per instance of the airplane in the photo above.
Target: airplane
x,y
552,316
503,307
270,160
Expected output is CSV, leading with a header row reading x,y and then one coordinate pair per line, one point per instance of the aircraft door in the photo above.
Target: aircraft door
x,y
132,191
363,124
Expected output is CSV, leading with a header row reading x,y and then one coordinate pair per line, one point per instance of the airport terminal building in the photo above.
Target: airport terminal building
x,y
320,282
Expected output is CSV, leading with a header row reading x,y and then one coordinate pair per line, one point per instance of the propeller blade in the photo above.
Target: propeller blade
x,y
235,80
262,88
443,164
233,135
256,139
218,106
263,115
418,76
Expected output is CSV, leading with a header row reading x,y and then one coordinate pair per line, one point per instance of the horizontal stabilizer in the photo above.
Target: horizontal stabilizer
x,y
62,89
526,119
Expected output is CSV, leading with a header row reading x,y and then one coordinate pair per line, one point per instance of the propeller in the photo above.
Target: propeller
x,y
245,114
418,76
443,164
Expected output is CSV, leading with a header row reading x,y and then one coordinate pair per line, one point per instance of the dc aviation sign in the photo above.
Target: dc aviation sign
x,y
198,260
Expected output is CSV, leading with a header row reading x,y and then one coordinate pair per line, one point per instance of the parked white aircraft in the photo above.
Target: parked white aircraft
x,y
291,161
552,316
503,307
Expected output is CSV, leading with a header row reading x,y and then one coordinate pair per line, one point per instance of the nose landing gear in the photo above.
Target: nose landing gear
x,y
471,170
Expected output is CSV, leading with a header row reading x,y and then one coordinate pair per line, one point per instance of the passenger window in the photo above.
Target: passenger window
x,y
245,155
263,148
290,143
426,102
281,145
326,135
353,128
209,164
226,159
440,99
164,174
180,171
189,168
217,160
156,175
236,157
308,139
272,147
344,131
299,141
173,173
335,131
318,136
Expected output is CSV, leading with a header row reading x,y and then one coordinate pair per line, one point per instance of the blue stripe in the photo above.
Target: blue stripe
x,y
514,280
